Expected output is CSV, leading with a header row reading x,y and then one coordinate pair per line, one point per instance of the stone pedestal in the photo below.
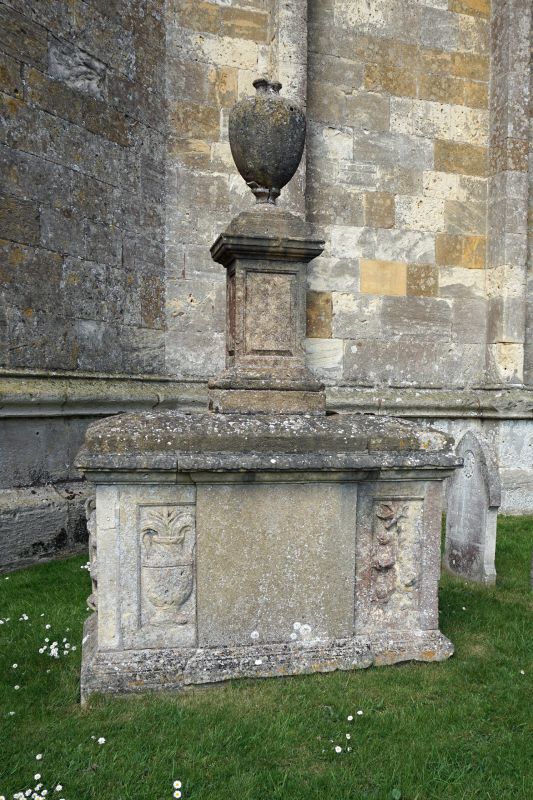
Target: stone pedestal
x,y
265,253
232,545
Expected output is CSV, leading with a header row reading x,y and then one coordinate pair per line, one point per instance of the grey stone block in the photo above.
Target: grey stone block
x,y
37,524
390,149
412,362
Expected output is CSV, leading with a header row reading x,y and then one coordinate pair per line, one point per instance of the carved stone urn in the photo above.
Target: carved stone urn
x,y
266,136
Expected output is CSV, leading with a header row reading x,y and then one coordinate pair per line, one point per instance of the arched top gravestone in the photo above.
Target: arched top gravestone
x,y
474,496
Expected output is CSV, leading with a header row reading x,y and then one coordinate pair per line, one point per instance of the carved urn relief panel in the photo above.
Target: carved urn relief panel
x,y
167,565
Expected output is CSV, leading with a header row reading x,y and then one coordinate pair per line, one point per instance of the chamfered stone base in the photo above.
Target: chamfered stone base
x,y
135,671
266,401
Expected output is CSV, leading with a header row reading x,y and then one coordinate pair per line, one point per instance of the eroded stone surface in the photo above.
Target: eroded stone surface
x,y
474,496
178,441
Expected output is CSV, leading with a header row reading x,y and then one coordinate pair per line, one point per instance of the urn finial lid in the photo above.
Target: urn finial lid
x,y
264,85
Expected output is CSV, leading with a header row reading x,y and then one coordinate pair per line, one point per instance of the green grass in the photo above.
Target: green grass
x,y
457,730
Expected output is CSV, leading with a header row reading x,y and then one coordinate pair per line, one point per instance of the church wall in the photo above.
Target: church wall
x,y
397,179
82,169
214,52
82,185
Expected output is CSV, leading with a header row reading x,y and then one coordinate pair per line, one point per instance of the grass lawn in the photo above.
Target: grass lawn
x,y
457,730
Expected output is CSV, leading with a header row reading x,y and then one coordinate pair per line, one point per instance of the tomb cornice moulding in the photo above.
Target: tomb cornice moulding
x,y
229,247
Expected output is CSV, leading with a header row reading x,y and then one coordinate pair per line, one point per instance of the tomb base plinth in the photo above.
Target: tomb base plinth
x,y
229,546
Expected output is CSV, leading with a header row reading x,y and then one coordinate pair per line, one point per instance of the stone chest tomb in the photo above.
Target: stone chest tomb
x,y
263,537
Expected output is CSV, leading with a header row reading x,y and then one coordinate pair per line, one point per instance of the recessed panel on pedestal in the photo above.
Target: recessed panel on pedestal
x,y
268,313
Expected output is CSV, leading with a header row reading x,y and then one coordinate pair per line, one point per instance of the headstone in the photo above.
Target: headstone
x,y
474,496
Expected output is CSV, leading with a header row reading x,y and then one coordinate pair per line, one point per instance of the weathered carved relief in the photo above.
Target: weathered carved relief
x,y
395,559
90,513
387,527
167,565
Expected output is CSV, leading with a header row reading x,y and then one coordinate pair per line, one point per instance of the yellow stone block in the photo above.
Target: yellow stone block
x,y
476,94
476,8
195,121
191,152
383,277
460,251
198,15
394,80
468,65
319,311
440,88
378,209
243,24
223,86
422,280
465,159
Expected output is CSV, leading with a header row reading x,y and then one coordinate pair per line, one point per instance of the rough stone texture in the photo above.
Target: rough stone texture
x,y
82,155
37,524
410,171
473,499
231,546
508,191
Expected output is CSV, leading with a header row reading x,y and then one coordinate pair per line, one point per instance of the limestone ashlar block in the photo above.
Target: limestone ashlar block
x,y
195,120
378,209
412,362
23,39
476,8
383,277
441,88
40,524
466,159
318,312
391,79
453,250
19,220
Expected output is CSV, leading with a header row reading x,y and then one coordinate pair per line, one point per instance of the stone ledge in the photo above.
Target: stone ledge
x,y
93,394
27,394
131,671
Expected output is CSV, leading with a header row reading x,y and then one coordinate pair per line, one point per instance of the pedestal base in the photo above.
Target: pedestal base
x,y
266,401
136,671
